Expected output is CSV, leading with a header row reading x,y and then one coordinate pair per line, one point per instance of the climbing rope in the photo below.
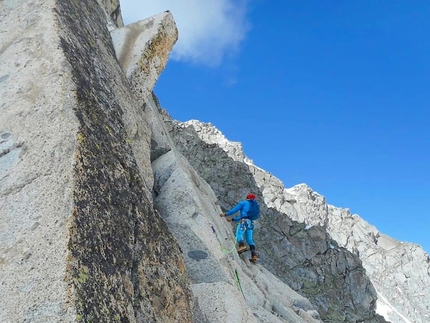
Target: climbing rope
x,y
236,276
226,251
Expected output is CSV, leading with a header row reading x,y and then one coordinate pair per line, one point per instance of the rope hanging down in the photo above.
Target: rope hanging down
x,y
236,275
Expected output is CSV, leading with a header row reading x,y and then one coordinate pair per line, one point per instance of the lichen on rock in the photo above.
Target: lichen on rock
x,y
123,262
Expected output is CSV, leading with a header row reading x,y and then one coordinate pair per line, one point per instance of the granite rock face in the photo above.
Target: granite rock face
x,y
112,8
399,271
226,287
305,258
80,241
109,209
38,137
142,49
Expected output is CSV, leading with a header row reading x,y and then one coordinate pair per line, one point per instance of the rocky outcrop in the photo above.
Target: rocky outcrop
x,y
400,271
212,135
142,49
226,288
79,238
305,258
109,210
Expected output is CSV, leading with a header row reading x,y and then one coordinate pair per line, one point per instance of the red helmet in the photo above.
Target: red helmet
x,y
250,197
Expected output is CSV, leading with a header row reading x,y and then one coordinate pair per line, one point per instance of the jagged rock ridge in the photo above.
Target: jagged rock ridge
x,y
190,208
307,259
398,270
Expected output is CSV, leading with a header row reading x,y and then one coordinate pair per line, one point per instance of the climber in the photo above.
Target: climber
x,y
249,211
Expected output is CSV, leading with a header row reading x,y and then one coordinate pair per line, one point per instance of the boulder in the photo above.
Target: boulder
x,y
142,49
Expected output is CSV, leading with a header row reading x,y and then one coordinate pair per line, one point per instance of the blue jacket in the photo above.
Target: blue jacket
x,y
243,207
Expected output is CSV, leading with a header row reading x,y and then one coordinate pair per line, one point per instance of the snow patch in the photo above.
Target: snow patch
x,y
384,308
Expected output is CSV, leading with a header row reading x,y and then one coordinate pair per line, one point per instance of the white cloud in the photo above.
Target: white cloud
x,y
209,30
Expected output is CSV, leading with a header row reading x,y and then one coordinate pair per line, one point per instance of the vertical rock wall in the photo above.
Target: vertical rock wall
x,y
38,128
79,238
124,262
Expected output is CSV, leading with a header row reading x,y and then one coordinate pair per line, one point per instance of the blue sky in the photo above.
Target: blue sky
x,y
334,94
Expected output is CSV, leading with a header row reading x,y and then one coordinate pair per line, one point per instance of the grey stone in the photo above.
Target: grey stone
x,y
188,205
8,160
197,254
113,12
3,78
80,240
300,255
386,260
142,50
5,135
388,263
110,209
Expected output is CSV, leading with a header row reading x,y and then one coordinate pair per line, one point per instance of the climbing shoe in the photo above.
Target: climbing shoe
x,y
254,258
241,249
